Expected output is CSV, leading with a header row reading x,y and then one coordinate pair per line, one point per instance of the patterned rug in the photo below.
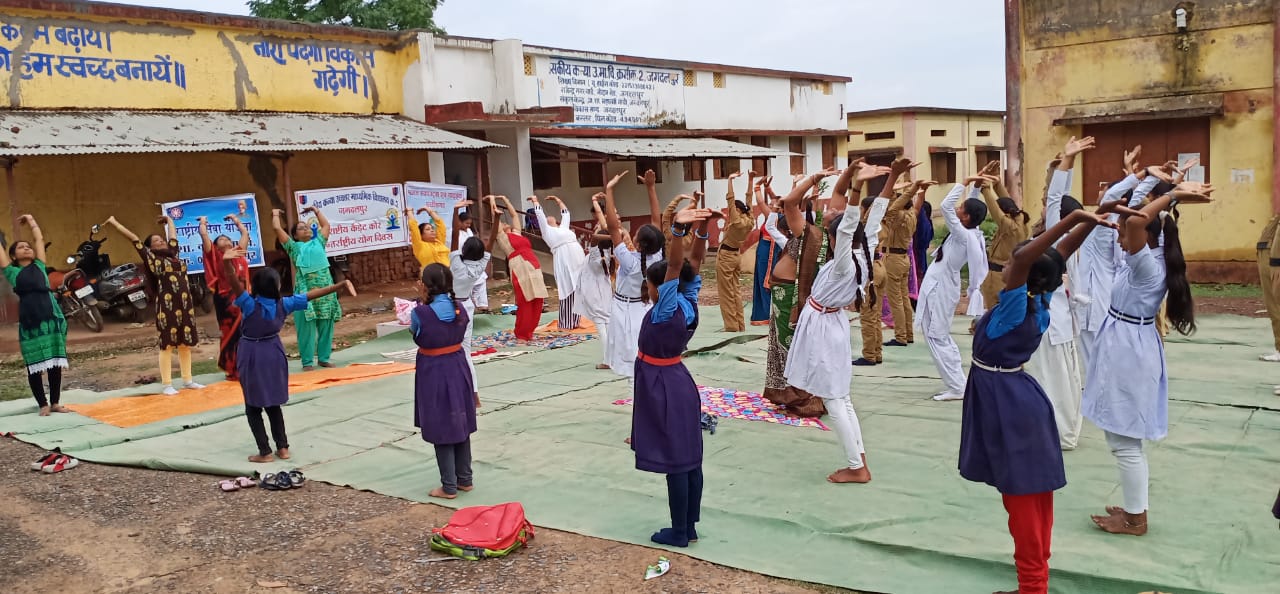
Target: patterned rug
x,y
747,406
506,339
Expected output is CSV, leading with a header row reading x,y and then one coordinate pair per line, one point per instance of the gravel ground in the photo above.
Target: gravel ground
x,y
110,529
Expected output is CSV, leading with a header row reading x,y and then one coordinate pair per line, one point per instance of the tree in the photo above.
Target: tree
x,y
393,15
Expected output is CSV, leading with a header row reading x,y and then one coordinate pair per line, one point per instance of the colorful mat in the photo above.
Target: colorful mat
x,y
131,411
505,339
746,406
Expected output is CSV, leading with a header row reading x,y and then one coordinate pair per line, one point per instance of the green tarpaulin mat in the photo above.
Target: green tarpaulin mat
x,y
551,438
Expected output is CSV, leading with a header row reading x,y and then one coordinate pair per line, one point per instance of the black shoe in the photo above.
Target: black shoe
x,y
864,362
895,343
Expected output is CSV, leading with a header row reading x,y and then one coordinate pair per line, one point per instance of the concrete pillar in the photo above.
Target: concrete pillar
x,y
435,167
511,168
508,71
416,90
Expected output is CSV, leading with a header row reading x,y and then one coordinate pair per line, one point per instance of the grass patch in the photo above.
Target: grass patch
x,y
1227,291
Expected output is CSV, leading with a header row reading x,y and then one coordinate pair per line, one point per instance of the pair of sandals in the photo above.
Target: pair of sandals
x,y
55,461
235,484
282,481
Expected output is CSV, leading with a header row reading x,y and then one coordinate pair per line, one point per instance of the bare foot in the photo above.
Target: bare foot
x,y
439,493
58,408
44,411
521,342
1114,510
308,367
849,475
476,397
627,441
282,453
262,459
602,366
1124,523
466,489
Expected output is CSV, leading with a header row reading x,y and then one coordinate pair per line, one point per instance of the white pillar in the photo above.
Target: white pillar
x,y
511,168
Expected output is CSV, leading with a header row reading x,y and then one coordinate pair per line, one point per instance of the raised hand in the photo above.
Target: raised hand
x,y
351,289
1076,146
1131,158
1193,193
870,172
649,178
163,219
991,168
1084,216
735,175
1160,173
825,173
27,220
926,184
901,166
613,183
233,253
533,199
462,204
687,215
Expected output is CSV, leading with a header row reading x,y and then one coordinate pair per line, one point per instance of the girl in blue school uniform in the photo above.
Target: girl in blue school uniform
x,y
666,430
1008,436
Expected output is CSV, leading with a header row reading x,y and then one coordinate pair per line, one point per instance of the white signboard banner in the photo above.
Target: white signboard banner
x,y
612,95
361,218
440,198
186,222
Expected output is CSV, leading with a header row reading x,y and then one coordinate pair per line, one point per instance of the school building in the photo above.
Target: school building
x,y
1179,78
950,144
112,109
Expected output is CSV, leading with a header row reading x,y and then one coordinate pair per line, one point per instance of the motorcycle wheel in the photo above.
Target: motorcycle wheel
x,y
91,318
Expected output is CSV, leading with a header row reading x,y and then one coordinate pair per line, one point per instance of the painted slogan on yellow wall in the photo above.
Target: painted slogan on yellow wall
x,y
49,61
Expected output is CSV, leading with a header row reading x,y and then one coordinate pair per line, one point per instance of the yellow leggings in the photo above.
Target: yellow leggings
x,y
166,365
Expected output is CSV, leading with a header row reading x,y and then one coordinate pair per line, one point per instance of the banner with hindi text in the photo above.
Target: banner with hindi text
x,y
440,198
361,218
186,222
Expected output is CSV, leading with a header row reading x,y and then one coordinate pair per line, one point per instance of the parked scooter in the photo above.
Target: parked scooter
x,y
121,290
75,296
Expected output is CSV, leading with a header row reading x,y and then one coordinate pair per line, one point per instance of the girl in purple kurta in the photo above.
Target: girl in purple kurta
x,y
666,430
260,359
444,396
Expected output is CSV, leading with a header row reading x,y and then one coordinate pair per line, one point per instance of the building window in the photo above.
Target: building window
x,y
717,80
984,133
546,175
690,78
796,146
940,133
880,136
645,164
760,164
590,175
876,185
1161,140
529,68
943,167
829,151
695,170
721,168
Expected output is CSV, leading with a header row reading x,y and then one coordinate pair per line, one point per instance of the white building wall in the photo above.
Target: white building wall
x,y
762,103
461,72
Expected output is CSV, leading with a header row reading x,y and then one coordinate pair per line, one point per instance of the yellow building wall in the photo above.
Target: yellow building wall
x,y
914,133
49,60
69,194
1126,62
875,124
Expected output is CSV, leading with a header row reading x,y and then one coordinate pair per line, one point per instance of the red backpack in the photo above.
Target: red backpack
x,y
484,531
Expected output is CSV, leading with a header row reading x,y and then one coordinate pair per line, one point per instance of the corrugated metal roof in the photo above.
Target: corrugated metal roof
x,y
25,133
665,148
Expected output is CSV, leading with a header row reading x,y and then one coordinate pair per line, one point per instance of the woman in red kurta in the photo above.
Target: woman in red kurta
x,y
223,300
526,273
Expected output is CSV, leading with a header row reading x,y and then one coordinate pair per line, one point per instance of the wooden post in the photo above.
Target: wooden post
x,y
1013,97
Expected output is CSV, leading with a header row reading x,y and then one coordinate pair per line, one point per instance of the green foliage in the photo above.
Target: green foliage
x,y
392,15
940,231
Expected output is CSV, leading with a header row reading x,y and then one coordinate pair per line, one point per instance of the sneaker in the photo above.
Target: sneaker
x,y
895,343
1273,357
170,391
864,362
192,386
945,396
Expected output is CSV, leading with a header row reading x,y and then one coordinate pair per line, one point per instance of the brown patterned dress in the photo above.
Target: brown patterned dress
x,y
175,309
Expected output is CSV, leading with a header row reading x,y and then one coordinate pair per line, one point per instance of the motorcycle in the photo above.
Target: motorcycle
x,y
75,297
121,289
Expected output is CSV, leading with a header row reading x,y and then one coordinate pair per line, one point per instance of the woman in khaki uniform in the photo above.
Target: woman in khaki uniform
x,y
1013,226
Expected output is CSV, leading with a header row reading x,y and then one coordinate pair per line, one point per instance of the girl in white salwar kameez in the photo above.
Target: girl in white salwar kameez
x,y
595,283
820,361
468,264
566,255
633,255
940,289
1126,392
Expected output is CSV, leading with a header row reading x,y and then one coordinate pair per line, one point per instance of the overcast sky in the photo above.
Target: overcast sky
x,y
907,52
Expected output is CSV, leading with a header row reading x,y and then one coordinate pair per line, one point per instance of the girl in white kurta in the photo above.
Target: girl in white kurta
x,y
820,360
633,255
1126,392
567,258
940,289
595,292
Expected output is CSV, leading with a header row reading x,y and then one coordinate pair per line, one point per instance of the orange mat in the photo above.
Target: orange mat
x,y
131,411
553,327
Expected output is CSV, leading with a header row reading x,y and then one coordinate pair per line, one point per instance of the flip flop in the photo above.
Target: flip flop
x,y
46,460
228,486
244,482
275,482
296,479
63,462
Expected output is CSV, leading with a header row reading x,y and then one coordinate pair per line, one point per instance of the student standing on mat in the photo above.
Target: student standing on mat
x,y
223,307
920,243
630,301
820,360
1013,226
940,289
900,225
767,253
427,239
1126,392
175,309
595,281
666,428
729,256
42,329
526,273
1008,436
467,265
464,222
306,248
445,399
567,258
261,364
1269,297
